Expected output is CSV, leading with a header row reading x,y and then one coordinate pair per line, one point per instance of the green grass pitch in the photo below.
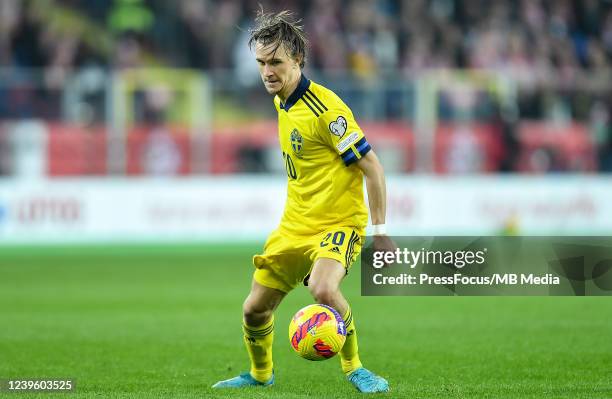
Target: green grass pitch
x,y
160,322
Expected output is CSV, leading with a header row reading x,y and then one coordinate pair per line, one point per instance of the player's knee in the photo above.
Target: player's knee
x,y
255,314
323,292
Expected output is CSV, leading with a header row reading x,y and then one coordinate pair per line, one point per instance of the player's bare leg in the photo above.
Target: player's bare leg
x,y
260,304
258,315
324,285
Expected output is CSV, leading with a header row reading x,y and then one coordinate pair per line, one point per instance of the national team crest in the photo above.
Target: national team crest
x,y
297,142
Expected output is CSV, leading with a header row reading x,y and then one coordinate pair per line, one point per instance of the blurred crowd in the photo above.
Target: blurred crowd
x,y
559,51
525,37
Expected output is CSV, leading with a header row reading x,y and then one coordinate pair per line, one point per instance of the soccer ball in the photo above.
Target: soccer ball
x,y
317,332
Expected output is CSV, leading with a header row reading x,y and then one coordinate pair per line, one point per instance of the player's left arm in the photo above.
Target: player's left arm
x,y
377,198
375,184
339,129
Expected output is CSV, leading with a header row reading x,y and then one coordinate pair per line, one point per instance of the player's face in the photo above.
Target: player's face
x,y
278,70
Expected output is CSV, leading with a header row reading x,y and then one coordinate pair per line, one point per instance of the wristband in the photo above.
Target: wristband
x,y
379,229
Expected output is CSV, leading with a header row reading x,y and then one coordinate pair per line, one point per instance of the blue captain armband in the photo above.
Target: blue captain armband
x,y
356,151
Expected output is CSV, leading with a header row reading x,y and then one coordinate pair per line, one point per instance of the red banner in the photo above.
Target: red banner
x,y
76,151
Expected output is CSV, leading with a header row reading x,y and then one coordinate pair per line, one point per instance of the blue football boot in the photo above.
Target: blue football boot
x,y
366,381
244,380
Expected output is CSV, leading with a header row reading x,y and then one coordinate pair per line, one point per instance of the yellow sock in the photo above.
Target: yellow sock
x,y
349,356
258,341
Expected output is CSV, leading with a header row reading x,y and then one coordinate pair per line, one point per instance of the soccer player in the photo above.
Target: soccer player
x,y
326,157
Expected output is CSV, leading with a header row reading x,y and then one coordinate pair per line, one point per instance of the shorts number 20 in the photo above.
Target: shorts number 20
x,y
336,239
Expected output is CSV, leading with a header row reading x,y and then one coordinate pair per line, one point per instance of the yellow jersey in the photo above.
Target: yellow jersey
x,y
321,142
